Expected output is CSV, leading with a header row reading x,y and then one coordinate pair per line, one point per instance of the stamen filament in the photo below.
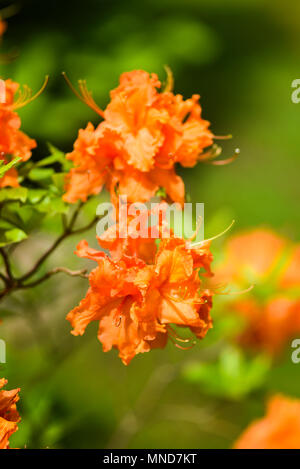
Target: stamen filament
x,y
222,137
25,97
228,160
176,336
213,152
242,292
170,80
198,226
85,95
214,237
180,346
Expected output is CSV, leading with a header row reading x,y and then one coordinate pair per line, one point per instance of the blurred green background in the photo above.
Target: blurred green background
x,y
241,56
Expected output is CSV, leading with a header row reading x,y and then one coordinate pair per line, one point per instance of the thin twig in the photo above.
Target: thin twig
x,y
73,273
3,278
45,256
13,284
86,227
6,263
66,233
75,215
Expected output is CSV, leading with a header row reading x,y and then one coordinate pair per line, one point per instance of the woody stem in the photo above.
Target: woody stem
x,y
16,283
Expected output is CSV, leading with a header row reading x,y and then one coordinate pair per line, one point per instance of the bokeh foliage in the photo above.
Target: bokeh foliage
x,y
241,56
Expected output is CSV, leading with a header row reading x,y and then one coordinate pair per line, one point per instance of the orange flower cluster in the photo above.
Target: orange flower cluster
x,y
272,310
146,283
133,151
9,416
13,142
279,429
136,301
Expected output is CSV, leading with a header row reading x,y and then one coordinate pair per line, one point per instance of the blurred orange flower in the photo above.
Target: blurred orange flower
x,y
279,429
3,26
272,310
9,416
136,302
13,142
143,135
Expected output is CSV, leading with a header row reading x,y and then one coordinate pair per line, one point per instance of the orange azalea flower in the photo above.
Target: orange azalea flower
x,y
9,416
136,232
279,429
136,302
272,310
290,276
143,135
113,295
271,325
183,300
139,186
13,142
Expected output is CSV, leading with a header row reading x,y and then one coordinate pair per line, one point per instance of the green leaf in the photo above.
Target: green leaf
x,y
233,376
15,235
36,195
161,192
6,167
59,181
40,174
53,433
56,156
13,193
52,205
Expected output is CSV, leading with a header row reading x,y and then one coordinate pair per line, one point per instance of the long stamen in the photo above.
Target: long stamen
x,y
176,336
25,96
186,348
87,95
241,292
170,79
84,95
227,160
214,237
198,226
216,151
219,288
210,154
180,346
222,137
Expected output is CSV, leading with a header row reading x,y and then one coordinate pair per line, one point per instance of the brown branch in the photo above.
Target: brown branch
x,y
5,280
86,227
7,264
73,273
13,284
68,231
45,256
